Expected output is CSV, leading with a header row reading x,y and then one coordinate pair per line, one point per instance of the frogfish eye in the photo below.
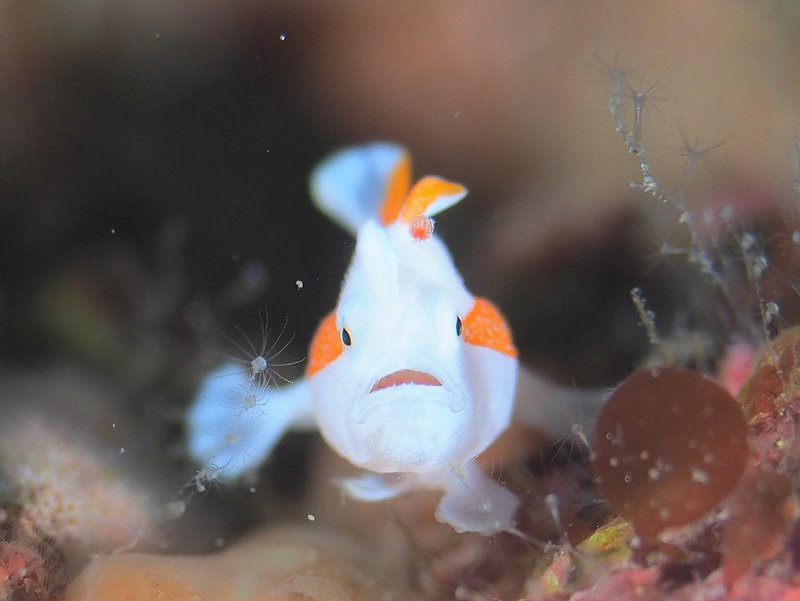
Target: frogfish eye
x,y
458,326
346,340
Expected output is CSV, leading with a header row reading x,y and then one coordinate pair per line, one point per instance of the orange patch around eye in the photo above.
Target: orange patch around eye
x,y
326,345
424,193
485,326
396,191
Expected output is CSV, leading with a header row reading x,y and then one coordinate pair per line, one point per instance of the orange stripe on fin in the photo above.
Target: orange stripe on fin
x,y
429,196
484,326
396,191
326,345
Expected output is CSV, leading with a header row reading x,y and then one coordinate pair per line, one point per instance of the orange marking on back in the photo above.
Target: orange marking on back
x,y
484,326
326,345
424,193
396,191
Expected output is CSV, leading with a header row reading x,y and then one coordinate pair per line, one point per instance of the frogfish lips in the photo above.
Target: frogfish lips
x,y
405,376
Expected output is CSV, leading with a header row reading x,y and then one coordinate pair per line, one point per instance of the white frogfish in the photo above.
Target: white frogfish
x,y
410,377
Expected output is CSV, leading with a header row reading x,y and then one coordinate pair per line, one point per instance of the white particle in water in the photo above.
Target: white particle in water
x,y
175,509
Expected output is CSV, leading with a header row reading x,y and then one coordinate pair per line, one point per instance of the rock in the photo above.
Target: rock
x,y
298,564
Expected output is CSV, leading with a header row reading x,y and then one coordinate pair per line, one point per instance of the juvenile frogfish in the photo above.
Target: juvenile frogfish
x,y
410,377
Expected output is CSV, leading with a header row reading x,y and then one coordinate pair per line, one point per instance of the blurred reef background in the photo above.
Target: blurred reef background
x,y
154,157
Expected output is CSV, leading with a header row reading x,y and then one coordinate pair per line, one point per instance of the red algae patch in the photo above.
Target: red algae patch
x,y
761,513
669,446
773,384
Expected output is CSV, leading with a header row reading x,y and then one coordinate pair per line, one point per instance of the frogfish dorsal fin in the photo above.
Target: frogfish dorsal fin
x,y
373,182
362,183
430,196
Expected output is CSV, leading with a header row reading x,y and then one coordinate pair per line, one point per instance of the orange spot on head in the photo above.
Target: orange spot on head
x,y
424,193
326,345
396,191
421,227
484,326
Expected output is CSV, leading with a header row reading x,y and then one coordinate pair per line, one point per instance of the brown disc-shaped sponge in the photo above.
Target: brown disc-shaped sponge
x,y
668,446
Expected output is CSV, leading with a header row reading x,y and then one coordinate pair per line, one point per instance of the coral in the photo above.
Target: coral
x,y
60,501
729,533
67,493
606,550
